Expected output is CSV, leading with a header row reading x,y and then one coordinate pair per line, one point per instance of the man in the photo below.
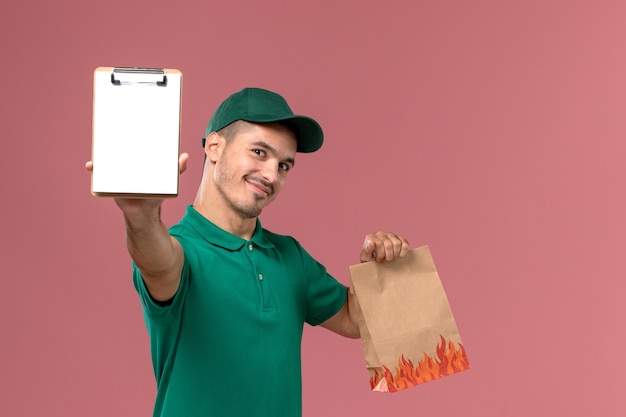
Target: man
x,y
224,299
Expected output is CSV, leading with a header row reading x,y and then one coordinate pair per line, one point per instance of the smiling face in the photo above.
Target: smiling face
x,y
251,167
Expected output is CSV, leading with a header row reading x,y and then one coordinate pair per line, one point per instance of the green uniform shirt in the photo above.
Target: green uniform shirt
x,y
228,344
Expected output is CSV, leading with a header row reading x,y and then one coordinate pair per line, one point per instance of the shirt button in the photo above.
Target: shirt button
x,y
260,277
250,246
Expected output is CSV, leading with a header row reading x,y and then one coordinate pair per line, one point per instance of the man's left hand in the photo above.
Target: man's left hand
x,y
383,246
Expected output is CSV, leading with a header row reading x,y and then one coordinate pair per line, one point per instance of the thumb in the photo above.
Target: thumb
x,y
182,162
367,253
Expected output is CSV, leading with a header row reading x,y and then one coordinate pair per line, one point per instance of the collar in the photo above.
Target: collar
x,y
220,237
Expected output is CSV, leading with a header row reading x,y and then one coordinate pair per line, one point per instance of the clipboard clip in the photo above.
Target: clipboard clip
x,y
137,75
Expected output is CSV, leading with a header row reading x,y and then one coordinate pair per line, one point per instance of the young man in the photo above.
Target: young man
x,y
225,300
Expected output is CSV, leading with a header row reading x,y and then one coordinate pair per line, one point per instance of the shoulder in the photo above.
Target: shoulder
x,y
282,242
289,251
186,231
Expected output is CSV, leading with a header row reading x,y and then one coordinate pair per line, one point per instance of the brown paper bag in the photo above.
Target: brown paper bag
x,y
408,332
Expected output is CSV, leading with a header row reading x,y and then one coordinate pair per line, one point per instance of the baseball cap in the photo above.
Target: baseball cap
x,y
264,106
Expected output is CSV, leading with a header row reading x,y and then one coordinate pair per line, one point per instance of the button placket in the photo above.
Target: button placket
x,y
259,275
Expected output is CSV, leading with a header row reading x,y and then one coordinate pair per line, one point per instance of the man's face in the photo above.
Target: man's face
x,y
252,168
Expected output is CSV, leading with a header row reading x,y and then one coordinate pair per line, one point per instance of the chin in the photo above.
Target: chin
x,y
249,212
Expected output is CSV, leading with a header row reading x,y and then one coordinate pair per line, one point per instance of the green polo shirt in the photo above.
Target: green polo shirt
x,y
228,344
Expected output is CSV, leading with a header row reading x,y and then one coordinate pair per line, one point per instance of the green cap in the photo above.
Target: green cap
x,y
263,106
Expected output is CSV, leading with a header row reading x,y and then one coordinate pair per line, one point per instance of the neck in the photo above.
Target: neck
x,y
209,204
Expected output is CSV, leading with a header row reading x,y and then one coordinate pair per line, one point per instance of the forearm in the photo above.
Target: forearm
x,y
345,322
156,253
354,314
149,243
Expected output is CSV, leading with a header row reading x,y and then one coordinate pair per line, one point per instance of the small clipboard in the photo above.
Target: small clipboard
x,y
136,132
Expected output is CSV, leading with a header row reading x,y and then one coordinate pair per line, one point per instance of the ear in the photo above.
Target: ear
x,y
213,146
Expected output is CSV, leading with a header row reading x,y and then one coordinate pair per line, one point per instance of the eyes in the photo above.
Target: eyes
x,y
283,166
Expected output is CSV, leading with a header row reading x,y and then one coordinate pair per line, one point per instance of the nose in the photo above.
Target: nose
x,y
269,171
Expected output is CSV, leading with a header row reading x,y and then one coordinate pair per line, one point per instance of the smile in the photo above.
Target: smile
x,y
259,187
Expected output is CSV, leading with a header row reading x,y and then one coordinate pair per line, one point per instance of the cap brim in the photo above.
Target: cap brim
x,y
308,133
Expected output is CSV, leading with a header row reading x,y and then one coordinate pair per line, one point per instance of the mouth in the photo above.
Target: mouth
x,y
260,187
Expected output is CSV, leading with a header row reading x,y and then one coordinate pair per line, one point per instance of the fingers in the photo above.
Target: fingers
x,y
89,165
383,246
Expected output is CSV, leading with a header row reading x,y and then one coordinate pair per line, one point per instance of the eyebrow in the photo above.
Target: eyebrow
x,y
273,151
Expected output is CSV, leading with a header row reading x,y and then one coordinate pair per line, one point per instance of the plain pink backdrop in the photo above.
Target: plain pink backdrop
x,y
493,131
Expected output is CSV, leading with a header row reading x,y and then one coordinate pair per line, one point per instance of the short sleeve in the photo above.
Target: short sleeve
x,y
162,320
157,310
325,295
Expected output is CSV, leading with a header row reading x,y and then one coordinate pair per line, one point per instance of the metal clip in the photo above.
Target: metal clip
x,y
137,75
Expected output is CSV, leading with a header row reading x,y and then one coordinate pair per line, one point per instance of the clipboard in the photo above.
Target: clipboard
x,y
136,132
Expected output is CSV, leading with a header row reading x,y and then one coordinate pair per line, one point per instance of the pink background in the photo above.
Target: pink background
x,y
493,131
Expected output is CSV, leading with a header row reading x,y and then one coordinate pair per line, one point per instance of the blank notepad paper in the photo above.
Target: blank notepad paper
x,y
136,132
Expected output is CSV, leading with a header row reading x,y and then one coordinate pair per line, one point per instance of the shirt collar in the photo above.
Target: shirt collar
x,y
220,237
